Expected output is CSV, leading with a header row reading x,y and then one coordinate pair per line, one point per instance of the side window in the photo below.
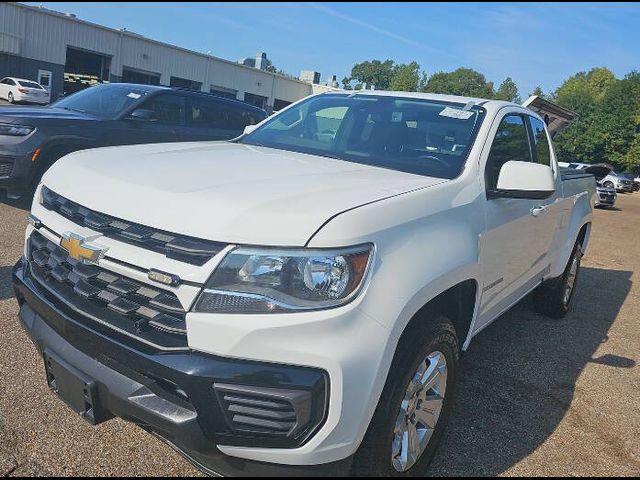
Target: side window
x,y
542,148
511,143
330,119
207,114
168,109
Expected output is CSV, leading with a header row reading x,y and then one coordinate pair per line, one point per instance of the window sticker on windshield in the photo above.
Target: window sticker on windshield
x,y
455,113
135,96
396,116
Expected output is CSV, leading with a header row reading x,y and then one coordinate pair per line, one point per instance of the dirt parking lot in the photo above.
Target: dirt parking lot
x,y
537,397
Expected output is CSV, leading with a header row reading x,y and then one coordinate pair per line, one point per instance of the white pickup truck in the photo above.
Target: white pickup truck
x,y
296,301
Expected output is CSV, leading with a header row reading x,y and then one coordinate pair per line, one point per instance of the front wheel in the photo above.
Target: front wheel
x,y
414,407
554,297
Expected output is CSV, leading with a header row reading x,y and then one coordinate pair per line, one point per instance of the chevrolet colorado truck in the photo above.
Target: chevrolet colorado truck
x,y
295,301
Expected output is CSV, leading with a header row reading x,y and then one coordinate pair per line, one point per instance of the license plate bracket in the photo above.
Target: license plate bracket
x,y
77,390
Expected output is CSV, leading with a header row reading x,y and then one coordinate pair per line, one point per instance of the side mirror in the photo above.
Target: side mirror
x,y
525,180
248,129
143,115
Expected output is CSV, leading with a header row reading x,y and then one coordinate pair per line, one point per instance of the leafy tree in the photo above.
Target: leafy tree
x,y
632,157
538,92
406,77
508,91
373,73
463,81
609,120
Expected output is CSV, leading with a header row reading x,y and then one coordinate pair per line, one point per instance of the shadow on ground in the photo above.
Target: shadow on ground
x,y
518,379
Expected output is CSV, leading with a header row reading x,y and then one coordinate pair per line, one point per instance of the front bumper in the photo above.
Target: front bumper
x,y
170,395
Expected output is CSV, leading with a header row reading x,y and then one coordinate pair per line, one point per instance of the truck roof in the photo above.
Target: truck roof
x,y
425,96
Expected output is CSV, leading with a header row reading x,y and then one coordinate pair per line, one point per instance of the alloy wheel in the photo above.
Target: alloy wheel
x,y
419,412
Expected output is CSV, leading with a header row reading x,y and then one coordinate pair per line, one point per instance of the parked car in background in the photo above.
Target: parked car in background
x,y
606,196
19,90
618,181
32,139
635,180
296,301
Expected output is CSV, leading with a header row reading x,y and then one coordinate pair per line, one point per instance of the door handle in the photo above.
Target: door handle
x,y
537,211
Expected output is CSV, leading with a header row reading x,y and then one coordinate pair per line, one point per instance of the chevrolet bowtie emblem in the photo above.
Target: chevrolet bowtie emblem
x,y
79,249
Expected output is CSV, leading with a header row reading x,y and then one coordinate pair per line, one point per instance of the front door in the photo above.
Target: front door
x,y
514,247
163,122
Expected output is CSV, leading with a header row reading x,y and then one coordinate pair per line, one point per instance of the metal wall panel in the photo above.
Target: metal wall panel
x,y
41,35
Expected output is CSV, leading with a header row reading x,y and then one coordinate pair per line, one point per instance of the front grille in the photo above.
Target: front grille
x,y
178,247
6,169
152,316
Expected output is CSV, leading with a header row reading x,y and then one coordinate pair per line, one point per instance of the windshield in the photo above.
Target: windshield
x,y
423,137
106,101
26,84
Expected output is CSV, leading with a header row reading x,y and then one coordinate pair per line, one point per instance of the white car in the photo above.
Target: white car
x,y
296,301
20,90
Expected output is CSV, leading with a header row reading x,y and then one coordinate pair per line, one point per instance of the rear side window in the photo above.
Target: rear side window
x,y
511,143
541,148
206,114
219,115
30,85
8,81
167,108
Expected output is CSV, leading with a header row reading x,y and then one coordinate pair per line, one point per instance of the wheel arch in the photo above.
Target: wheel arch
x,y
458,303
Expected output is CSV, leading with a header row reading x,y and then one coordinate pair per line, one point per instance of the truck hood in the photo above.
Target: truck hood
x,y
224,191
26,115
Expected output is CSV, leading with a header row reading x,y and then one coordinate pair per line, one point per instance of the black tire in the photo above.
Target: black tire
x,y
550,298
10,98
374,457
608,184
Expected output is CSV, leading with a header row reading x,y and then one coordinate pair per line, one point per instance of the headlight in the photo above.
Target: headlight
x,y
276,281
15,130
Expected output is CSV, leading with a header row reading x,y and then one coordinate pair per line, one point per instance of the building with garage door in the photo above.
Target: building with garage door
x,y
66,54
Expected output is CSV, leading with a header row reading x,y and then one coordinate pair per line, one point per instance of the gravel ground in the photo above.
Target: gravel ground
x,y
536,397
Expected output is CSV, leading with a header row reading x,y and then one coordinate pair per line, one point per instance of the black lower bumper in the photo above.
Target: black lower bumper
x,y
169,395
16,175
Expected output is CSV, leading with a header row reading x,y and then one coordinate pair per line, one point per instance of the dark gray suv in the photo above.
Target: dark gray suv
x,y
33,138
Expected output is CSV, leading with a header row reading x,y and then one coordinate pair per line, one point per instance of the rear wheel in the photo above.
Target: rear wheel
x,y
10,98
555,297
414,407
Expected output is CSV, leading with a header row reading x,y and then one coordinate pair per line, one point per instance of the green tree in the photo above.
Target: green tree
x,y
406,77
373,73
463,81
632,157
508,91
538,92
587,138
